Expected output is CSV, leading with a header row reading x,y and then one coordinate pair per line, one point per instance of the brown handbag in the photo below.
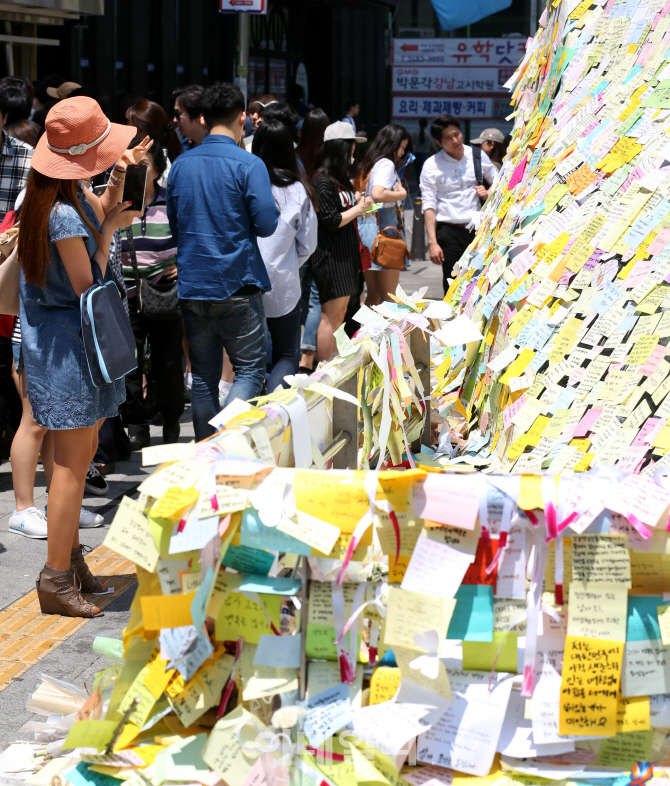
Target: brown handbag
x,y
389,249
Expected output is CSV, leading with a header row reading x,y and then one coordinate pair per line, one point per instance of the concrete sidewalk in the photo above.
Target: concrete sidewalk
x,y
21,560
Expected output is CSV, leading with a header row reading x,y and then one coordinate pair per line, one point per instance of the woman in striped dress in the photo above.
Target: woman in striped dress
x,y
336,261
155,251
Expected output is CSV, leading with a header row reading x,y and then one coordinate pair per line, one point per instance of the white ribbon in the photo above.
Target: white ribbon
x,y
80,149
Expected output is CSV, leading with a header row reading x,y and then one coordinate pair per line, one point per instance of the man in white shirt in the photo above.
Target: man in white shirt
x,y
451,193
353,108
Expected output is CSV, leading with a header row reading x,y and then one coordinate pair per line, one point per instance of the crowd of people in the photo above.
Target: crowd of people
x,y
261,226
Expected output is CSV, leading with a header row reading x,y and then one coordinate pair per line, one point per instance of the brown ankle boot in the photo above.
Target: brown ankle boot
x,y
58,593
88,581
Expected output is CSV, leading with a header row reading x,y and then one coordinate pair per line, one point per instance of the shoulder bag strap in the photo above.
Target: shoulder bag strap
x,y
477,163
136,270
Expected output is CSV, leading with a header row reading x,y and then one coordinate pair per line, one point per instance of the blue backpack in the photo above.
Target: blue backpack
x,y
108,337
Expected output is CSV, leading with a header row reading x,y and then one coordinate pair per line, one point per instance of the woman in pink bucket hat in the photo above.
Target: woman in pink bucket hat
x,y
64,227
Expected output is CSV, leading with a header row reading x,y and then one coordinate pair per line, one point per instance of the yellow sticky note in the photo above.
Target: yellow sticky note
x,y
241,616
341,499
384,684
530,494
517,368
588,707
130,536
223,751
640,352
481,655
633,714
157,677
204,689
411,613
664,623
90,734
167,611
174,502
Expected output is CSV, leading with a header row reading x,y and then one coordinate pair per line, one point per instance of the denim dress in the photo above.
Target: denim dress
x,y
60,389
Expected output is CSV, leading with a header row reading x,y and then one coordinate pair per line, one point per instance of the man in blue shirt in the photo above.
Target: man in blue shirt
x,y
219,200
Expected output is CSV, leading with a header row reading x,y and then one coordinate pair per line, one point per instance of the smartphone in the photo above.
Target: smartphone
x,y
133,189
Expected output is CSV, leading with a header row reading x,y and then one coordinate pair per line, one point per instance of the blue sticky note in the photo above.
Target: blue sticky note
x,y
473,616
643,618
82,776
255,534
246,560
271,585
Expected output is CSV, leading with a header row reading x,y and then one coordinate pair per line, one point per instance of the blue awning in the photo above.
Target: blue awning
x,y
453,15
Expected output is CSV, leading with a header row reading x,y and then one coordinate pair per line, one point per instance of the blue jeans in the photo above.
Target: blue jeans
x,y
285,338
237,325
310,308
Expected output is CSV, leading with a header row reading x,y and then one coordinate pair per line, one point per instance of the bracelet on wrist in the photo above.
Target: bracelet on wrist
x,y
122,171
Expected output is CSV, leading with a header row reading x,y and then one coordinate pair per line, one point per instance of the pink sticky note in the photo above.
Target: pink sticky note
x,y
642,437
586,422
641,269
659,242
510,312
510,412
657,354
449,499
517,175
576,376
632,458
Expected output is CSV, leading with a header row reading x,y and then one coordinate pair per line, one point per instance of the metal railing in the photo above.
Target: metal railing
x,y
336,425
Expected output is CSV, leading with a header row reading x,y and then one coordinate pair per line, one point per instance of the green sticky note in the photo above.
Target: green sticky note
x,y
558,191
472,619
480,655
245,559
320,642
625,748
161,531
90,734
344,345
241,616
660,98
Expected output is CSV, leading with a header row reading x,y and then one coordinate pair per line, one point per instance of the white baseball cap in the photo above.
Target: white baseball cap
x,y
341,130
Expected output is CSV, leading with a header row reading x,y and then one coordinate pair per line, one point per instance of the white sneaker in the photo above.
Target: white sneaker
x,y
29,522
88,519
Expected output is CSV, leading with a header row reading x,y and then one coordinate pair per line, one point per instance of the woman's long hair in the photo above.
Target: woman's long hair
x,y
150,118
385,145
42,193
273,144
334,161
311,138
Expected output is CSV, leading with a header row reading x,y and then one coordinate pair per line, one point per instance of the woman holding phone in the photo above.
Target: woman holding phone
x,y
69,229
155,253
337,259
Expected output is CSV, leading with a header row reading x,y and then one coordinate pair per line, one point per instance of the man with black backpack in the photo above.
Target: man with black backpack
x,y
454,184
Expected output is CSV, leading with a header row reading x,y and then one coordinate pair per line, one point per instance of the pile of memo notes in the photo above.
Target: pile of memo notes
x,y
397,627
568,277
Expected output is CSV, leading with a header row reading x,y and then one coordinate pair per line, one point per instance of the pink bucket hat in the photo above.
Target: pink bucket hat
x,y
79,140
